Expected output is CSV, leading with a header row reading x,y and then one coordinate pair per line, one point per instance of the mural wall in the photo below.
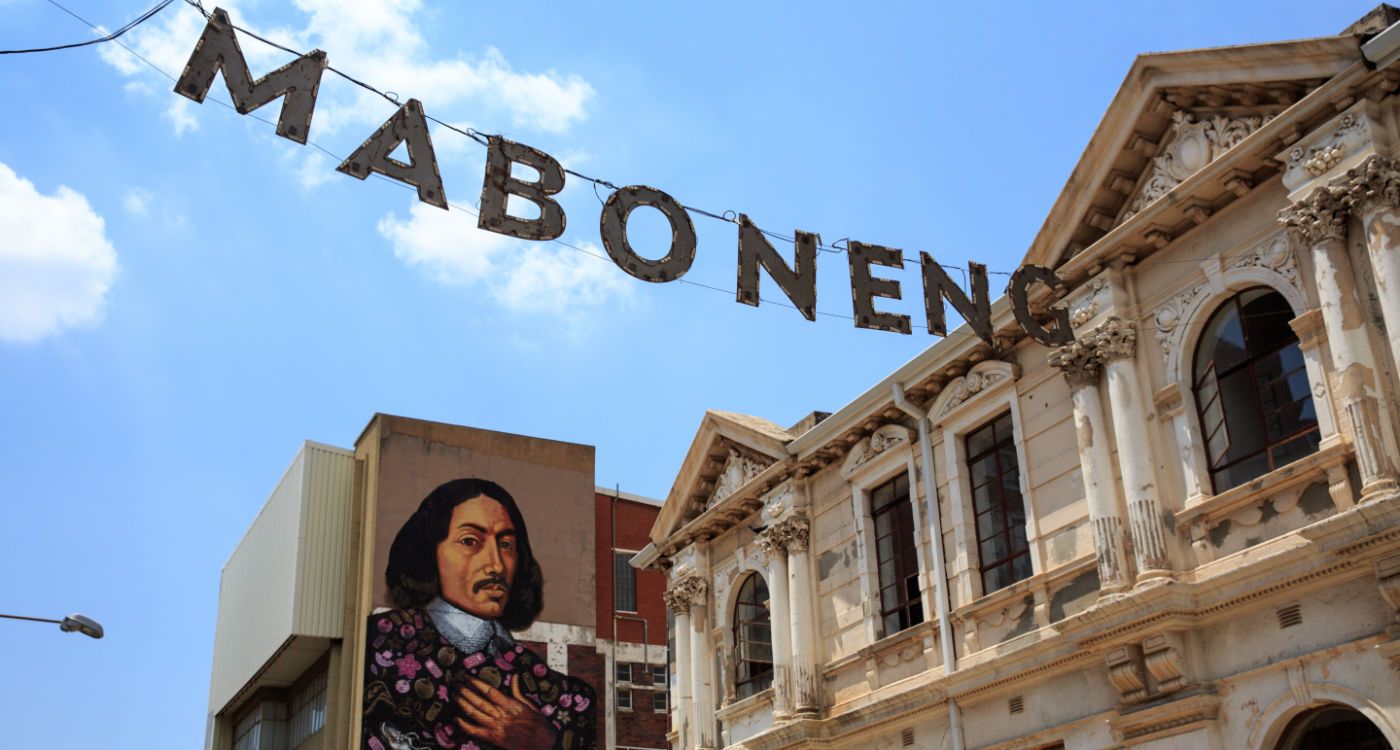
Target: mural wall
x,y
475,536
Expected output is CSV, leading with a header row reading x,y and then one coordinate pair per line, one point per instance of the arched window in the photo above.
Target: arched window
x,y
1330,727
753,639
1251,389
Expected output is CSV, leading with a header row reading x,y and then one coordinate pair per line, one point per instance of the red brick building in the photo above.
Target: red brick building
x,y
631,629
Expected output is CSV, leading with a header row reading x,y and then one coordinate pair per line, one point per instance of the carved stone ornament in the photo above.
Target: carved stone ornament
x,y
1164,656
1088,307
1170,315
788,535
1115,338
882,439
1274,254
1373,183
1191,145
1320,216
684,593
1080,362
1125,671
982,377
737,472
1318,160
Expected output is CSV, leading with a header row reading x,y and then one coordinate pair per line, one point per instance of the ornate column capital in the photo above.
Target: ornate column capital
x,y
684,593
1080,362
788,535
1320,216
1114,339
1373,183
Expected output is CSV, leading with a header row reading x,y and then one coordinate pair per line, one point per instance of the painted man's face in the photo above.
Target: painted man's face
x,y
476,562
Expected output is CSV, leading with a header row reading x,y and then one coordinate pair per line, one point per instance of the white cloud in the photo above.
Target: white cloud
x,y
521,275
377,41
56,264
137,201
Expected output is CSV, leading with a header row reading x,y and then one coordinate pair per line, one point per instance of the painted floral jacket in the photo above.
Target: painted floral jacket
x,y
412,674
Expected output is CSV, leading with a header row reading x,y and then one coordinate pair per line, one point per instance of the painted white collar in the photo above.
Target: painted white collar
x,y
465,630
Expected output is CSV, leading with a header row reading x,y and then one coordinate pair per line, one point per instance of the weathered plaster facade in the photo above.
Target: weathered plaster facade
x,y
1155,611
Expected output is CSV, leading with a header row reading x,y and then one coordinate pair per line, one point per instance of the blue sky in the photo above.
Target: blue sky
x,y
185,297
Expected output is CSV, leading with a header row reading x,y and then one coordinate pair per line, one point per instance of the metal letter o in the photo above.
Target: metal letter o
x,y
614,230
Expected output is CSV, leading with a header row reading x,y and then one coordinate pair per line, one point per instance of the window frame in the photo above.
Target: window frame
x,y
618,555
862,480
1212,466
762,679
952,427
1001,505
902,539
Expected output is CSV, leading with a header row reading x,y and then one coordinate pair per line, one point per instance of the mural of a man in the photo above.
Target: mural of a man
x,y
442,670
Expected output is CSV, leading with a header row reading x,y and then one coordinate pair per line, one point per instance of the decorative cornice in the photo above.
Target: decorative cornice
x,y
982,377
882,439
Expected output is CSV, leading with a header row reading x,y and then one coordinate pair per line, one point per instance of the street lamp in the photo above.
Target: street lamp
x,y
70,624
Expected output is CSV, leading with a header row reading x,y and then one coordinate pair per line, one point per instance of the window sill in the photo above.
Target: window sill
x,y
746,706
898,641
1311,468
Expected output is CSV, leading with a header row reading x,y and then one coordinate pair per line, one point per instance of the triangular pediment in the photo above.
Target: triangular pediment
x,y
727,452
1179,115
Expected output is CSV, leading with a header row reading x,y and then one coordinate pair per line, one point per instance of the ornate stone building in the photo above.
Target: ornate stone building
x,y
1181,530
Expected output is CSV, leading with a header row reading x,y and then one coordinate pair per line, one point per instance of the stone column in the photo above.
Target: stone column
x,y
1374,189
701,666
1320,222
1116,340
780,614
679,603
805,696
678,599
1080,363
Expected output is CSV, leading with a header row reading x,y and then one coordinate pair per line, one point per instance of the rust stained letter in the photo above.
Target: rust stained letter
x,y
865,288
614,231
977,311
1021,282
218,51
499,184
798,283
406,126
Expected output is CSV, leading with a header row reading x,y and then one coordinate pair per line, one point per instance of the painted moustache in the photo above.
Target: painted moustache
x,y
489,581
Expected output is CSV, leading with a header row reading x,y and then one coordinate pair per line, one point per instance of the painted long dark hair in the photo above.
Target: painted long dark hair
x,y
412,573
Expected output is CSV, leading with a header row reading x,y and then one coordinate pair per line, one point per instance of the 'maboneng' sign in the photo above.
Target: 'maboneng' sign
x,y
297,84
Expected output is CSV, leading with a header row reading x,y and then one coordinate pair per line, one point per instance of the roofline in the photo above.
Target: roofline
x,y
611,492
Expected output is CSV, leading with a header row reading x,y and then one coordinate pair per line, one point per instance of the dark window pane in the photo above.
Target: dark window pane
x,y
1222,342
980,442
1021,567
624,583
982,499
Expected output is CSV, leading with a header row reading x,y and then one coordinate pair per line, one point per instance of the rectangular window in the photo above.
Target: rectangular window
x,y
896,557
658,675
308,709
658,702
624,583
996,500
624,699
624,671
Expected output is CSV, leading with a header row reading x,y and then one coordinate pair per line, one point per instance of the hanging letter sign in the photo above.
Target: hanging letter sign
x,y
298,82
